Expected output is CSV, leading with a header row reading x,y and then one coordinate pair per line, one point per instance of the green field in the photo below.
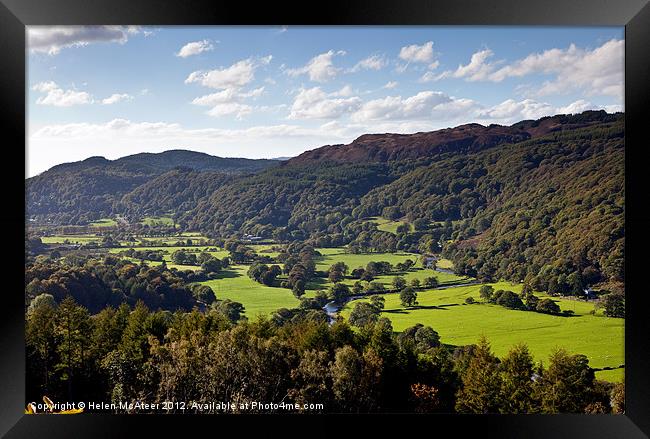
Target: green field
x,y
256,298
167,251
445,264
73,239
157,221
333,255
386,225
104,222
598,337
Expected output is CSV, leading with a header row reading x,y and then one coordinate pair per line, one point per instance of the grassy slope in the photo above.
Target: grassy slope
x,y
256,298
598,337
157,220
385,225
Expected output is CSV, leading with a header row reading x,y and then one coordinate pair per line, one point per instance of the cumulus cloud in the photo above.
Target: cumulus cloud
x,y
194,48
511,111
314,103
230,81
595,72
478,68
116,97
423,105
373,62
419,54
130,130
51,39
56,96
237,75
320,68
390,84
229,102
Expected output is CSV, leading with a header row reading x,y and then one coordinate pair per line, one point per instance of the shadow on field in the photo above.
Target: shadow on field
x,y
317,283
228,274
413,308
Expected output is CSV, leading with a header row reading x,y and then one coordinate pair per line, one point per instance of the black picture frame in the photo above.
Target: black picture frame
x,y
633,14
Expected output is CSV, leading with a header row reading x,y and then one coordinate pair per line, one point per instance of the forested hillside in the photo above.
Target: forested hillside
x,y
80,192
541,200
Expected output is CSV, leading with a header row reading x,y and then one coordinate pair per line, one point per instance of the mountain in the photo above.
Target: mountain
x,y
78,192
463,139
156,163
542,198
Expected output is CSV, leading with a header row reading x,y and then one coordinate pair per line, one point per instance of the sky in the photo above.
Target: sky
x,y
276,91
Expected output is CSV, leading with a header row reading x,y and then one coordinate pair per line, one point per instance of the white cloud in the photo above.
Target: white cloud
x,y
231,109
320,68
51,39
116,97
374,62
194,48
314,103
58,97
518,110
345,91
229,102
226,96
419,54
596,72
237,75
390,84
478,68
426,104
511,111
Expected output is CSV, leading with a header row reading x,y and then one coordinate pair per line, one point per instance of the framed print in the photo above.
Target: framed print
x,y
414,210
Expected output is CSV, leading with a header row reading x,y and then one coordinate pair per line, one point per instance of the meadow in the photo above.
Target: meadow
x,y
598,337
234,284
385,224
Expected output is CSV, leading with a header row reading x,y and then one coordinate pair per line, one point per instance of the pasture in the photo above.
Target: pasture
x,y
157,221
598,337
258,299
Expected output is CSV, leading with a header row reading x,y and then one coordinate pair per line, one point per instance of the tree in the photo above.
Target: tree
x,y
415,283
469,300
403,228
204,257
73,327
363,314
408,297
510,300
335,276
378,302
399,283
481,382
486,292
565,387
298,288
548,306
212,265
231,310
41,300
516,381
203,293
420,224
426,338
340,267
614,305
532,301
431,282
41,346
339,292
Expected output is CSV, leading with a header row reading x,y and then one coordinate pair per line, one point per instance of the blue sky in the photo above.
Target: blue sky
x,y
278,91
